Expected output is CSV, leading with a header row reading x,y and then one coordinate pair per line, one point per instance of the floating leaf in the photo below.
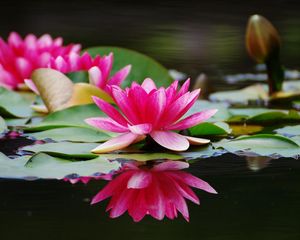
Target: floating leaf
x,y
64,149
200,105
83,92
274,146
207,128
59,92
44,166
202,152
289,131
143,157
16,122
258,93
296,139
242,96
245,129
142,65
262,115
73,134
3,126
13,168
13,105
70,117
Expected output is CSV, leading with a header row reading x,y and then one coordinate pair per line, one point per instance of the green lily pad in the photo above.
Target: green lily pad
x,y
73,134
64,149
222,114
242,96
296,139
70,117
13,105
263,115
3,126
79,76
268,145
44,166
289,131
207,128
12,168
200,152
142,65
143,157
16,122
83,151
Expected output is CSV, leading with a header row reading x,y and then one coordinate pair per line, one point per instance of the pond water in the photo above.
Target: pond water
x,y
255,199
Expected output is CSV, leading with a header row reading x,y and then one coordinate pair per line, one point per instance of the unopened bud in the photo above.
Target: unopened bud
x,y
262,39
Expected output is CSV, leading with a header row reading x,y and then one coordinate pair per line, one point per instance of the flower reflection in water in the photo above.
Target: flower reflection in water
x,y
159,190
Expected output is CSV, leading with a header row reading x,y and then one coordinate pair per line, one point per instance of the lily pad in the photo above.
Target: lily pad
x,y
44,166
142,65
263,115
296,139
222,114
207,128
3,126
73,134
269,145
64,149
258,92
242,96
16,122
202,152
70,117
13,105
289,131
12,168
143,157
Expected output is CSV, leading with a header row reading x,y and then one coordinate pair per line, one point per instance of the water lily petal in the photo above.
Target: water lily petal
x,y
110,111
148,85
120,76
186,191
95,77
197,141
116,143
29,83
192,120
170,166
193,181
107,124
122,203
112,187
155,200
170,140
124,104
157,104
184,88
105,65
24,67
140,129
140,179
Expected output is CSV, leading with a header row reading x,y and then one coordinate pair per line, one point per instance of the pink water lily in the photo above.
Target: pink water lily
x,y
148,110
159,191
19,57
98,68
